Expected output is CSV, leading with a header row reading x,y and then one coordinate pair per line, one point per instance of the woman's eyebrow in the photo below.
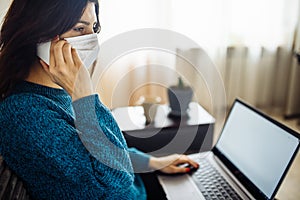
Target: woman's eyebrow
x,y
84,22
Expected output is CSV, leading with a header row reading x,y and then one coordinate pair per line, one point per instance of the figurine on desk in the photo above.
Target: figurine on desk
x,y
179,96
150,107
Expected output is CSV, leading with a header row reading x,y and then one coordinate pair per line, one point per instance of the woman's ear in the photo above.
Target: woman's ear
x,y
44,65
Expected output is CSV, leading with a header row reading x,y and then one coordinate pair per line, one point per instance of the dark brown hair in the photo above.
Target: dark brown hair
x,y
27,23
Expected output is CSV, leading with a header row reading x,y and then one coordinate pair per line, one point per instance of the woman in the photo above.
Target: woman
x,y
55,133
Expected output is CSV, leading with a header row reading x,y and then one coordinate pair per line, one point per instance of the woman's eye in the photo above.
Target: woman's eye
x,y
79,29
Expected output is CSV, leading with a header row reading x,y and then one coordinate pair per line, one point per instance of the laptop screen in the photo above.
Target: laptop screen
x,y
258,147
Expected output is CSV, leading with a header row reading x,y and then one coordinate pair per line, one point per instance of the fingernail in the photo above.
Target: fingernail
x,y
187,170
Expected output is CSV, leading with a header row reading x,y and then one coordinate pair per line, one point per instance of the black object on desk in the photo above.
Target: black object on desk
x,y
167,134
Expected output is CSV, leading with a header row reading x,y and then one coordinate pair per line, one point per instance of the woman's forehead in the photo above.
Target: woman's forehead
x,y
89,13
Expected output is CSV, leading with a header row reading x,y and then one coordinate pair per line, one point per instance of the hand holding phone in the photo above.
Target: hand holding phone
x,y
66,69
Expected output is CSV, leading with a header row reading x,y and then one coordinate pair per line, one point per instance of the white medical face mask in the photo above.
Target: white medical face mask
x,y
87,47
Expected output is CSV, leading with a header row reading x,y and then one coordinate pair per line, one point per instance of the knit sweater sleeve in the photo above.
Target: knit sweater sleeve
x,y
40,135
99,132
140,160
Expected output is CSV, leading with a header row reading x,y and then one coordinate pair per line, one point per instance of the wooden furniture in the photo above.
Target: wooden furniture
x,y
11,186
167,134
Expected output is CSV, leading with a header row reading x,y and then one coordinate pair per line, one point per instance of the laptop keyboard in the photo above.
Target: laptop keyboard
x,y
212,184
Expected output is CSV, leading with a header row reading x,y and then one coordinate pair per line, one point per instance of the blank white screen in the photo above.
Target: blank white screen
x,y
258,148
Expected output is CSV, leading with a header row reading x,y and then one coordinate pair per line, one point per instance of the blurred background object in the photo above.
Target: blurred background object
x,y
179,97
149,105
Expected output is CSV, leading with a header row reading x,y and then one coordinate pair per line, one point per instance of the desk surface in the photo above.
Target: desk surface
x,y
167,134
289,190
133,118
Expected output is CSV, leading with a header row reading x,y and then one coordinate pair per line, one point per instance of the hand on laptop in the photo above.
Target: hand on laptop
x,y
171,164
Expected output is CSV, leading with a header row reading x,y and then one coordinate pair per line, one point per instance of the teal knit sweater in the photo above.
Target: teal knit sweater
x,y
67,150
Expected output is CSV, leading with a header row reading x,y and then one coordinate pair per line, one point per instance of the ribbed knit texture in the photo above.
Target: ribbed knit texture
x,y
67,150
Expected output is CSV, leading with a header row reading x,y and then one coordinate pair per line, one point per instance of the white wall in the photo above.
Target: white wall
x,y
3,8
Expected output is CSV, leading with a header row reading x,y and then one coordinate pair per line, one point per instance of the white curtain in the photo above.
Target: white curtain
x,y
249,41
209,23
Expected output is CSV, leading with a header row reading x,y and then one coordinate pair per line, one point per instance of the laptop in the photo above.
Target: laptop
x,y
249,160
